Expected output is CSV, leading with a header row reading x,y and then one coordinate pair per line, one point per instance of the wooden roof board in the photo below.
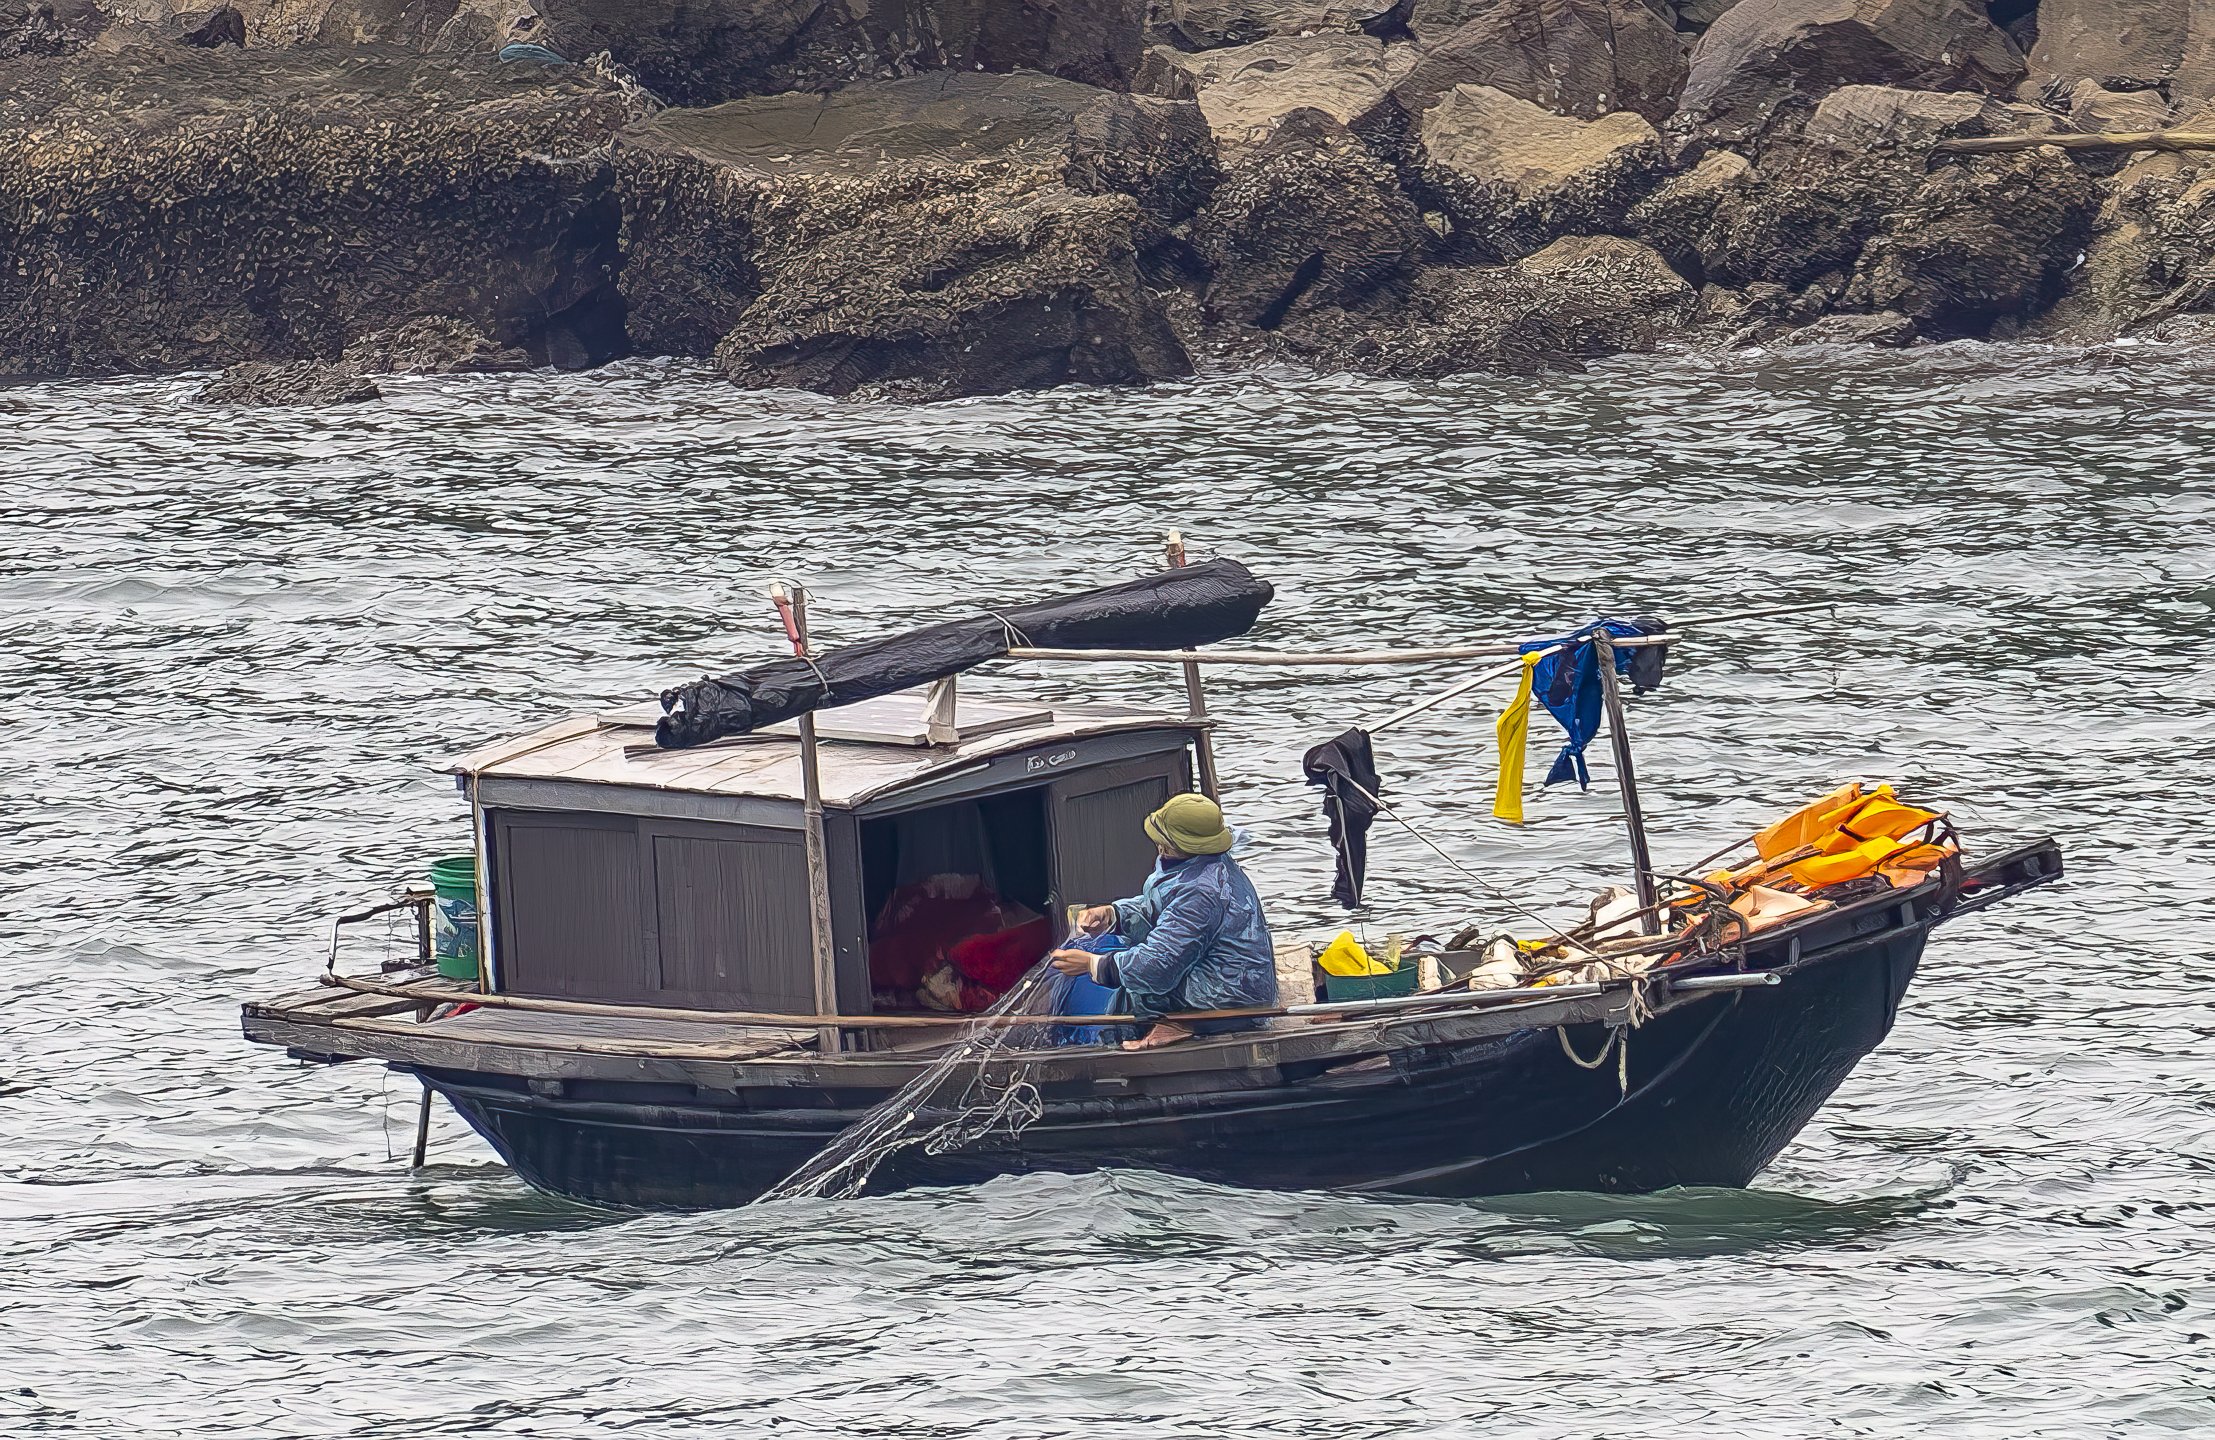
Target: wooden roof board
x,y
585,750
515,747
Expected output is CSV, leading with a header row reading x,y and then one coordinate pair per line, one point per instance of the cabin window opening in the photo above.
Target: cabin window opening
x,y
959,902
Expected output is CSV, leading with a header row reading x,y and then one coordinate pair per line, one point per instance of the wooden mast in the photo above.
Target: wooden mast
x,y
794,605
1626,780
1195,698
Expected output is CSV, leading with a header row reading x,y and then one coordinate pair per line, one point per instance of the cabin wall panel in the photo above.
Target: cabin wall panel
x,y
571,910
640,910
732,912
1101,852
849,917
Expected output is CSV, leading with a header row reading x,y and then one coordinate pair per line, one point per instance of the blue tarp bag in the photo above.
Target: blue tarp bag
x,y
1081,995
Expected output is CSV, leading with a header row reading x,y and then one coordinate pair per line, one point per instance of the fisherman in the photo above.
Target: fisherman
x,y
1198,939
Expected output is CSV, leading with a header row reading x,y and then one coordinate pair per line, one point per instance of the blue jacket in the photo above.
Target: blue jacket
x,y
1197,925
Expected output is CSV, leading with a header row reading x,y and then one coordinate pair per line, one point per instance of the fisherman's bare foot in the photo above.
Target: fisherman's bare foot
x,y
1162,1034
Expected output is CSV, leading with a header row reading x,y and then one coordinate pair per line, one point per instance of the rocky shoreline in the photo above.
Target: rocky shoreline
x,y
954,197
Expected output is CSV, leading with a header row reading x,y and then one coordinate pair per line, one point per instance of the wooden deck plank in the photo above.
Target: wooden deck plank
x,y
585,1057
330,1002
408,1044
573,1044
526,1027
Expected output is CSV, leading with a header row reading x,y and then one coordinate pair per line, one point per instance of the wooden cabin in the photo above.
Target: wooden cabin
x,y
610,870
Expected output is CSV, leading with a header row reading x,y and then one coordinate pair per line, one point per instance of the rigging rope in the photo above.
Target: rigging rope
x,y
1483,884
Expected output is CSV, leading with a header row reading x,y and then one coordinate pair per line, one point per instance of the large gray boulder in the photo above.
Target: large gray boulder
x,y
1581,298
258,383
699,52
934,236
2151,255
1577,57
1979,242
1802,220
1512,176
2094,107
1863,222
431,345
1246,89
1095,42
49,27
1856,118
696,52
2127,45
1210,24
1766,55
1306,218
280,206
1862,153
1677,217
1618,295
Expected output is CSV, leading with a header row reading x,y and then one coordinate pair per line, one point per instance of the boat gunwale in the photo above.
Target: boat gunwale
x,y
373,1031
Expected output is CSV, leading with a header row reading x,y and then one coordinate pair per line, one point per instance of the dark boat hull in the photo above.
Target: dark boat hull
x,y
1705,1091
1707,1094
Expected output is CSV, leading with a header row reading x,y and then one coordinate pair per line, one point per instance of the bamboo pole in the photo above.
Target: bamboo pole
x,y
828,1037
2110,140
1484,651
1472,650
1195,698
1458,689
1626,780
422,1131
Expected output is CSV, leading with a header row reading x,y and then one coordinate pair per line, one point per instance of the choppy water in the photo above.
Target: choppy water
x,y
231,643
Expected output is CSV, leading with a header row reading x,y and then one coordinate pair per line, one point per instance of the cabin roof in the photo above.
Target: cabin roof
x,y
609,749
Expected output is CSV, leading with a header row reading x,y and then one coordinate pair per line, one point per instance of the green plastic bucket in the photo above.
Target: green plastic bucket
x,y
454,916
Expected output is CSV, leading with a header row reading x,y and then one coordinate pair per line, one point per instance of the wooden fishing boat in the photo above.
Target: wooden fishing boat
x,y
682,992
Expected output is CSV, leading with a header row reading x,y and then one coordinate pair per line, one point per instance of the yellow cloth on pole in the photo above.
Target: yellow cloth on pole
x,y
1513,729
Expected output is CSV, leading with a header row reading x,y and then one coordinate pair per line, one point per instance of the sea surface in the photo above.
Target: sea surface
x,y
234,646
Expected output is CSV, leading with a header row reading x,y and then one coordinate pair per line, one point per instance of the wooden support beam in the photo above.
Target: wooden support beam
x,y
829,1038
1626,779
1195,698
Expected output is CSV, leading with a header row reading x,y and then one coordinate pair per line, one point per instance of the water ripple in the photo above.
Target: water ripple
x,y
231,644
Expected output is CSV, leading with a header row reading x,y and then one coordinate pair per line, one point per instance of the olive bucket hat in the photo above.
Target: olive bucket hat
x,y
1190,825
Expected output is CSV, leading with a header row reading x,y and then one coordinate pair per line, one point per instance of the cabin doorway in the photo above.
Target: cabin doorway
x,y
959,898
964,896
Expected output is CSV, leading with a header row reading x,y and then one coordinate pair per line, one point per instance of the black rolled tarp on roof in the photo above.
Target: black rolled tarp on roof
x,y
1197,605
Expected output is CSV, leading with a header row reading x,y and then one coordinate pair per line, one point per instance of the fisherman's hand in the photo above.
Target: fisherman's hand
x,y
1072,962
1098,920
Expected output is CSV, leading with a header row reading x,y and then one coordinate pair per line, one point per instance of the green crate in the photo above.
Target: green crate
x,y
1342,988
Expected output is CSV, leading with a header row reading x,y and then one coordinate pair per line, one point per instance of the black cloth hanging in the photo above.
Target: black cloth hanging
x,y
1647,660
1346,768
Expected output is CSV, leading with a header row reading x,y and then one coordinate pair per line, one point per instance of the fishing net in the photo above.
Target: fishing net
x,y
981,1086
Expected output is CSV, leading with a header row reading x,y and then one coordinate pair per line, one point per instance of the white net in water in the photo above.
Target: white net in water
x,y
981,1086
